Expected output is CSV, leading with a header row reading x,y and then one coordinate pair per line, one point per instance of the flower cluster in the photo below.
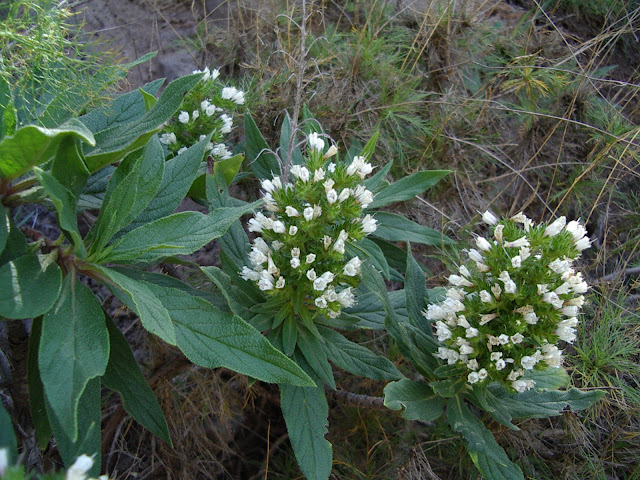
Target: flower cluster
x,y
505,313
300,255
202,113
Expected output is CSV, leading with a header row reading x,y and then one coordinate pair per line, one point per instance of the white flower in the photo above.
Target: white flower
x,y
447,354
227,123
482,374
456,294
485,297
204,104
300,172
307,213
318,175
473,378
475,255
215,74
483,244
556,227
346,298
256,257
489,218
295,252
311,275
309,259
484,319
332,196
210,110
516,262
338,246
182,150
583,244
295,262
368,224
523,385
471,332
458,281
497,233
331,167
322,281
473,364
220,150
553,299
78,470
500,364
528,362
569,311
497,291
326,240
168,138
560,266
321,302
280,282
278,227
328,184
293,230
543,288
503,339
521,242
315,142
331,152
576,230
525,252
266,281
464,271
552,355
206,72
183,117
510,286
363,196
233,94
531,318
249,274
442,331
317,211
344,194
352,267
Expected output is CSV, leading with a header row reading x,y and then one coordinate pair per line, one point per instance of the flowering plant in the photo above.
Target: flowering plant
x,y
316,238
202,114
496,336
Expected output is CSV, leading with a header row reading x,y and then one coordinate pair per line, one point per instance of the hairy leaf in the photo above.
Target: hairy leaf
x,y
396,228
407,187
262,161
417,400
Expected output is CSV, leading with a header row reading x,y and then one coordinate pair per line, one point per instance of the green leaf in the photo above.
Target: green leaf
x,y
262,161
8,436
534,404
5,227
69,167
415,287
115,142
74,348
94,190
179,234
228,167
30,286
212,338
88,437
285,135
16,244
124,376
487,455
396,228
32,145
149,100
417,400
65,203
449,387
5,106
355,358
37,399
549,379
367,151
377,182
313,352
370,313
408,187
135,183
179,174
310,124
306,412
141,299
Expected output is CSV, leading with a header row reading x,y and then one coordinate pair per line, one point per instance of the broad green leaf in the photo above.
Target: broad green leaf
x,y
30,286
415,288
306,412
115,142
136,182
124,376
94,190
37,399
549,379
534,404
262,161
123,110
396,228
179,234
179,173
212,338
149,100
32,145
69,167
370,313
366,248
313,351
74,348
228,167
487,455
141,299
449,387
65,203
15,244
88,435
355,358
285,135
407,187
417,400
5,227
8,436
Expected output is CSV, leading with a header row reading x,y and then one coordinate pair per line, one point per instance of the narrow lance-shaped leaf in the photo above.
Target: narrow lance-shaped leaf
x,y
7,436
487,455
312,350
212,338
32,145
306,412
417,400
30,286
88,435
74,348
396,228
416,292
69,167
124,376
356,358
407,187
263,163
37,399
65,203
179,234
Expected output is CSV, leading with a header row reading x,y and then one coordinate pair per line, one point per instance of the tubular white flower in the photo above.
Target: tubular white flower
x,y
332,196
521,242
321,282
278,227
183,117
556,227
498,233
248,274
576,230
294,262
344,194
516,262
524,253
489,218
475,255
317,211
293,230
553,299
473,377
266,281
292,212
331,152
485,297
280,283
369,224
483,244
321,302
307,213
315,142
583,244
227,123
318,175
484,319
560,266
497,291
79,469
338,246
168,138
346,298
326,241
458,281
352,267
311,275
309,259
